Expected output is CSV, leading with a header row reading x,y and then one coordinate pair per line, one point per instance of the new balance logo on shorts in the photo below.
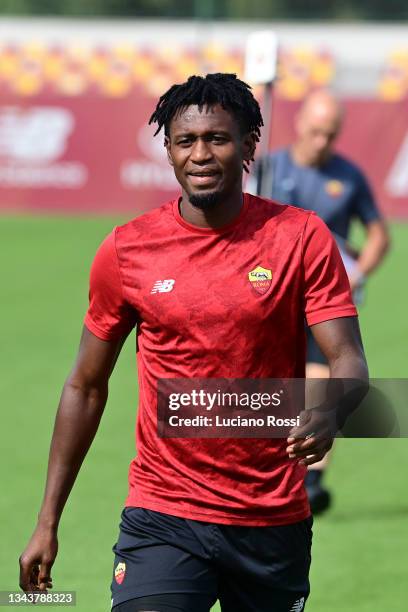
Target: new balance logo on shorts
x,y
298,605
163,286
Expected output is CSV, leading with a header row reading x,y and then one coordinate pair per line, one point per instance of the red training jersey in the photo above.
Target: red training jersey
x,y
199,315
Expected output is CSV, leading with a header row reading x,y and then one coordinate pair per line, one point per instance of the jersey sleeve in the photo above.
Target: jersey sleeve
x,y
365,207
109,315
327,292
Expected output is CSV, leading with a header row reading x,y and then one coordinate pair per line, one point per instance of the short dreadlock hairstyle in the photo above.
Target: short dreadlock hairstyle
x,y
225,89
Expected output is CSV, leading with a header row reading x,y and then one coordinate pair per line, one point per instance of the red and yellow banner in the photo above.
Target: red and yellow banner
x,y
74,134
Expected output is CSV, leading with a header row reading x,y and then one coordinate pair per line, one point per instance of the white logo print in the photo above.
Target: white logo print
x,y
298,605
32,141
151,169
163,286
36,134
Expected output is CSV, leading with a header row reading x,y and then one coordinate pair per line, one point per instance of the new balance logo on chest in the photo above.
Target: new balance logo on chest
x,y
163,286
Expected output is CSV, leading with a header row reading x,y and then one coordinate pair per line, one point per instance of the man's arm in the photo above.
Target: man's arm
x,y
80,410
375,248
340,341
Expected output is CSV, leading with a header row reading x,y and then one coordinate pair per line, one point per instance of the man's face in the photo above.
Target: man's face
x,y
207,151
317,129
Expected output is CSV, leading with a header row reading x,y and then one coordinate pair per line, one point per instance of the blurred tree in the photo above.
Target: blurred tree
x,y
256,9
391,10
17,7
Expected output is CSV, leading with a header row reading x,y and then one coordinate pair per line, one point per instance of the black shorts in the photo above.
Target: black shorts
x,y
313,352
249,569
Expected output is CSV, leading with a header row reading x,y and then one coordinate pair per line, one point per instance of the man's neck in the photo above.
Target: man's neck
x,y
215,216
301,157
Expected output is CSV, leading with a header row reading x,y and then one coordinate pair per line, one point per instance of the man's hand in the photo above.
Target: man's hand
x,y
37,560
340,341
313,438
356,281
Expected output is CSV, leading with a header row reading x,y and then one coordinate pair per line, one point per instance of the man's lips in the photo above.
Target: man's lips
x,y
204,177
203,173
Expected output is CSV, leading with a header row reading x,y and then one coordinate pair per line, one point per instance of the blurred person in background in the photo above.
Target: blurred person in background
x,y
311,175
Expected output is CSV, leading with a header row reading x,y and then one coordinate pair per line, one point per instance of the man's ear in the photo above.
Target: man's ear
x,y
167,145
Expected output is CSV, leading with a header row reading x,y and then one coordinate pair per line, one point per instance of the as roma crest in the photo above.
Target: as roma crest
x,y
260,279
334,188
120,571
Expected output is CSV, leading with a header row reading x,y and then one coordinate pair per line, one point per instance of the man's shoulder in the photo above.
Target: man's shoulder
x,y
347,166
281,154
148,222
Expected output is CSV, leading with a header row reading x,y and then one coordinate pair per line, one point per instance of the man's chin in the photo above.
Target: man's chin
x,y
206,200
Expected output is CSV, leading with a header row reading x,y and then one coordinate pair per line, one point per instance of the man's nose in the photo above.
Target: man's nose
x,y
200,151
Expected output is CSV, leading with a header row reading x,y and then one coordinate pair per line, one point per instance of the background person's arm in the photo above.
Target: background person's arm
x,y
340,341
375,247
80,410
377,239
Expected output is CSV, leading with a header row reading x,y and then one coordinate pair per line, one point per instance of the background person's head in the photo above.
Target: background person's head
x,y
211,126
317,125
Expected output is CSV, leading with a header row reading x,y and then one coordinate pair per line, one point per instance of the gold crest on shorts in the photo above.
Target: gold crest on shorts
x,y
120,571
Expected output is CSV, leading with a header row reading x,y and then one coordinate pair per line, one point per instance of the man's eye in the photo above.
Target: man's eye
x,y
184,142
219,139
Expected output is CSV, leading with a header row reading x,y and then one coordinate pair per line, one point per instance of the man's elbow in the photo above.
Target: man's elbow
x,y
384,240
357,365
349,363
386,246
89,393
361,368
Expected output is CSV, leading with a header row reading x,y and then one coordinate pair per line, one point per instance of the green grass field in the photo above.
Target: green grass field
x,y
360,553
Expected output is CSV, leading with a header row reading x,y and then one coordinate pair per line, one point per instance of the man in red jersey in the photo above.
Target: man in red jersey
x,y
205,519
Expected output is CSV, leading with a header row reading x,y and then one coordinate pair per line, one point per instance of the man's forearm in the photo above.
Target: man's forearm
x,y
76,423
374,250
348,387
